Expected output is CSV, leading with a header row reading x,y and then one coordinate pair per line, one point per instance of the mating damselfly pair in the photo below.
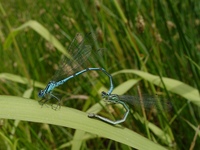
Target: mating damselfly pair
x,y
82,57
82,53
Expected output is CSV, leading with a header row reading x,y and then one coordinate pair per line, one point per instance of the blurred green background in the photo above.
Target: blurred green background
x,y
153,37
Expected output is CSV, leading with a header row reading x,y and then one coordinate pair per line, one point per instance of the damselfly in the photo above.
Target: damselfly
x,y
146,101
82,55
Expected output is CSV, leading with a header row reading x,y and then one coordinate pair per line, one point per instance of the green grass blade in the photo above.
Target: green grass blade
x,y
172,85
40,29
13,107
20,79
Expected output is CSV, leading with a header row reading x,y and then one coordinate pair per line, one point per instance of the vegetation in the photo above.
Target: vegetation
x,y
151,47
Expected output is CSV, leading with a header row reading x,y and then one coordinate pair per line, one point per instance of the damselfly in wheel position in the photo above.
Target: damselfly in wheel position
x,y
148,102
82,55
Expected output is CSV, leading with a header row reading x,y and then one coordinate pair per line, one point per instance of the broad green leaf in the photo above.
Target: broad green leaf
x,y
13,107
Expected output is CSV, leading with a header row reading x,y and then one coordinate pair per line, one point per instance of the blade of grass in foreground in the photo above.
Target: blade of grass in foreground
x,y
13,107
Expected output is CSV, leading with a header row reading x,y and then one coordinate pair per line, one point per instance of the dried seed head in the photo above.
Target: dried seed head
x,y
140,24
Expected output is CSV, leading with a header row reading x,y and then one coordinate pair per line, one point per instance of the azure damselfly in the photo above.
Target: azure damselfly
x,y
146,101
82,55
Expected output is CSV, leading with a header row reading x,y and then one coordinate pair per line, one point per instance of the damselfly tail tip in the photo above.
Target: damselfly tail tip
x,y
91,115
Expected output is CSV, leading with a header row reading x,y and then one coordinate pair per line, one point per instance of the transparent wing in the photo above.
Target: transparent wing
x,y
83,54
148,101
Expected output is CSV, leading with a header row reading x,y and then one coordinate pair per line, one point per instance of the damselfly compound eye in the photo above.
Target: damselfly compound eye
x,y
41,93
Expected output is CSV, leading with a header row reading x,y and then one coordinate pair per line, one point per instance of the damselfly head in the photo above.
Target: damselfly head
x,y
41,94
104,94
113,97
